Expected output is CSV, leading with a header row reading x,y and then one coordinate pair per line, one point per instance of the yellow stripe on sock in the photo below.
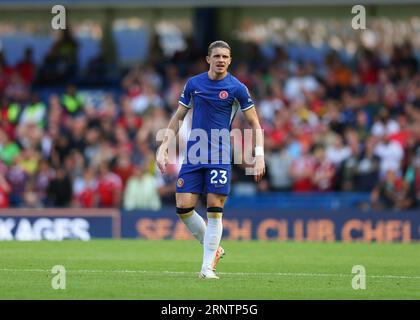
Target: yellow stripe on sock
x,y
185,215
214,215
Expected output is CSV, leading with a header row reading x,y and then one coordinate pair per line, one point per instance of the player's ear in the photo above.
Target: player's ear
x,y
208,59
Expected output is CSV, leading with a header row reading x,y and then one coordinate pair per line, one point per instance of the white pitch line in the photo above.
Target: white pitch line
x,y
287,274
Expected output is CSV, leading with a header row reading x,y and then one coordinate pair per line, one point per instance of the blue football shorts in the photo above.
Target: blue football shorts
x,y
204,179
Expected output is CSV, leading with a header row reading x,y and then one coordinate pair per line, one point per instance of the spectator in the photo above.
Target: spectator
x,y
9,150
302,170
278,133
103,152
16,89
30,196
122,141
147,100
78,127
367,172
412,178
5,72
298,85
141,192
384,125
27,67
109,187
28,160
153,123
362,125
34,113
391,154
334,118
349,169
4,192
9,116
17,178
40,185
59,193
338,152
61,149
124,168
128,119
85,188
72,101
92,139
392,193
271,104
324,172
60,63
278,170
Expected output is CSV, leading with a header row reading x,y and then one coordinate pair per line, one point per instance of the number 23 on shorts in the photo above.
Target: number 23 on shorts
x,y
218,176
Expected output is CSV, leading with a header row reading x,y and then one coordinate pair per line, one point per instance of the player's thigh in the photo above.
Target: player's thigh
x,y
189,186
186,199
216,200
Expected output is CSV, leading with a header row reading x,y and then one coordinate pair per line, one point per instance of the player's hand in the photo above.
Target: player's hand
x,y
162,159
259,168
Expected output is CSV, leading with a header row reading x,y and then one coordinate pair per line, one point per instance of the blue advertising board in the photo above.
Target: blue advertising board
x,y
271,224
320,225
59,224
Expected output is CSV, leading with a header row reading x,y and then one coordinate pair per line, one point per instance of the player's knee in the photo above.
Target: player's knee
x,y
213,201
183,211
214,212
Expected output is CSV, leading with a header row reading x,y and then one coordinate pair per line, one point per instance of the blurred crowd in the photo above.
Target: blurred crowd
x,y
332,126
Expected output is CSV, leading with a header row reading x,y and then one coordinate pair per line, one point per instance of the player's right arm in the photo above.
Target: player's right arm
x,y
174,125
170,132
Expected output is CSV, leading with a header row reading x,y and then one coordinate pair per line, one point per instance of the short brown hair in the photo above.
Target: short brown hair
x,y
218,44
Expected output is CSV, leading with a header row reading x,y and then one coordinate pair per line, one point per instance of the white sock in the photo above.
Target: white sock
x,y
212,238
195,223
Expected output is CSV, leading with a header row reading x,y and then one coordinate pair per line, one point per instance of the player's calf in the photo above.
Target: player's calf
x,y
193,221
212,237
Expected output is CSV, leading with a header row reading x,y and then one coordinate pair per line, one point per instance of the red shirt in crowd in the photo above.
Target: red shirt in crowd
x,y
124,173
26,71
4,198
109,187
324,176
86,198
304,164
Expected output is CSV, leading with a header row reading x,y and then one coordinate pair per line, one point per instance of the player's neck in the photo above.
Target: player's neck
x,y
216,76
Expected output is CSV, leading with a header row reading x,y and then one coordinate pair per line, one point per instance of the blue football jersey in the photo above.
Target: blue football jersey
x,y
214,104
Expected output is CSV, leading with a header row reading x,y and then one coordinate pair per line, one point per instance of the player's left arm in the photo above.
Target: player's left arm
x,y
252,118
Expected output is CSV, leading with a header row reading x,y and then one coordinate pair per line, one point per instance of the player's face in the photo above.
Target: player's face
x,y
219,60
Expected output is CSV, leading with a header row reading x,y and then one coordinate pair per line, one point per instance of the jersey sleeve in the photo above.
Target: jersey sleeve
x,y
243,97
185,98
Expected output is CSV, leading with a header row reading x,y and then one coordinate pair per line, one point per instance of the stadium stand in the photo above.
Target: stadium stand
x,y
343,127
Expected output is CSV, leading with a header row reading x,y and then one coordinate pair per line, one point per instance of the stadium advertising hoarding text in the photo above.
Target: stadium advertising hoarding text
x,y
58,224
267,224
282,225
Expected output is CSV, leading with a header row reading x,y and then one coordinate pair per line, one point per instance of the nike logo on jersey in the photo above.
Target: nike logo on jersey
x,y
197,92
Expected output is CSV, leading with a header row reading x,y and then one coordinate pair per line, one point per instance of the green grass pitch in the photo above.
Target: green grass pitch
x,y
139,269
